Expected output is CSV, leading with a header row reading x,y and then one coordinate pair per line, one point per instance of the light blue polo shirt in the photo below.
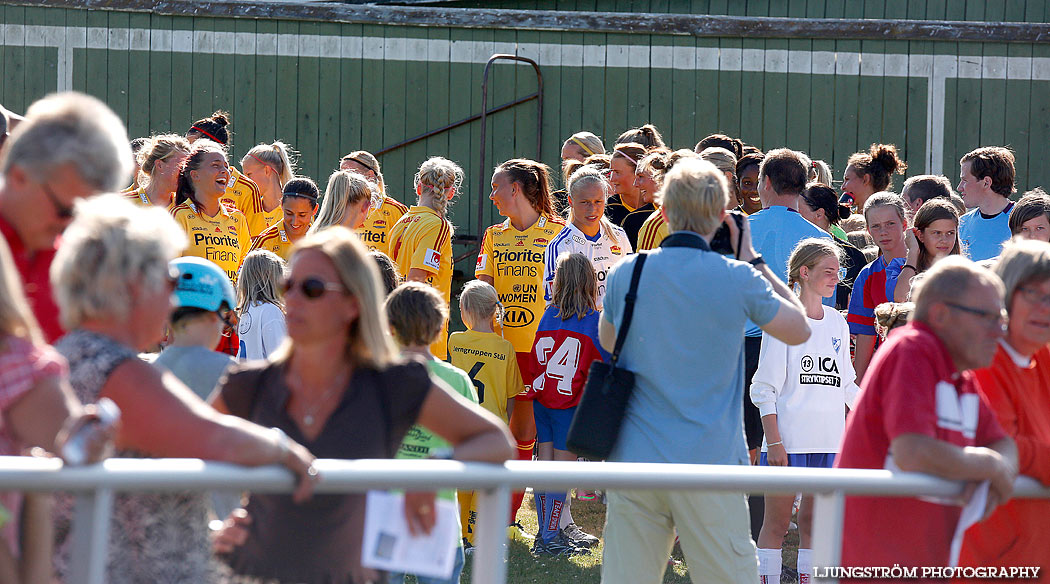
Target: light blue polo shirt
x,y
686,350
775,231
983,237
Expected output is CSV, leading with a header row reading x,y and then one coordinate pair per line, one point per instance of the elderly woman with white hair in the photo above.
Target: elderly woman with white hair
x,y
113,286
1017,387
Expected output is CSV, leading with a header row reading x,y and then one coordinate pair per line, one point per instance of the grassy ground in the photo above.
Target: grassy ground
x,y
523,568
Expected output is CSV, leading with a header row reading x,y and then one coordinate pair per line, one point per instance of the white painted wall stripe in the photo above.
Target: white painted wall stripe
x,y
934,68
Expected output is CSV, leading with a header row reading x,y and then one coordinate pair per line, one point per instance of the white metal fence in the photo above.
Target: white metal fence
x,y
95,485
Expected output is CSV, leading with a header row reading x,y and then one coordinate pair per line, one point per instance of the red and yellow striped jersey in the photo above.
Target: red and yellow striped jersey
x,y
241,191
514,261
653,231
422,239
222,239
274,239
376,230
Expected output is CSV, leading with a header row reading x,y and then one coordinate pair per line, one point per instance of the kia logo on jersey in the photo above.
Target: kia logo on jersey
x,y
517,316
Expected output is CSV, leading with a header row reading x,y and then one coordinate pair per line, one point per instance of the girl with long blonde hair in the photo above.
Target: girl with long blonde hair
x,y
801,392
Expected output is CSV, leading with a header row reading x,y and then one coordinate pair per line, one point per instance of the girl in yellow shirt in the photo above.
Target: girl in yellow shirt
x,y
241,191
270,167
216,232
159,162
298,203
421,241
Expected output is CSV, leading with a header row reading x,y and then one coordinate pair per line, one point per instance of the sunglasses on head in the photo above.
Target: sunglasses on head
x,y
310,287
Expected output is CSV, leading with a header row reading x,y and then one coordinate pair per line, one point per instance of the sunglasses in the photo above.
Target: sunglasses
x,y
61,210
311,287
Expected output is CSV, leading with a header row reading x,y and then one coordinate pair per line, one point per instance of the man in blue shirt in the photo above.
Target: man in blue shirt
x,y
685,349
986,181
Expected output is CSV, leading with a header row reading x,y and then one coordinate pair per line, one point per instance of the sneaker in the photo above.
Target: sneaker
x,y
468,548
515,532
559,546
579,537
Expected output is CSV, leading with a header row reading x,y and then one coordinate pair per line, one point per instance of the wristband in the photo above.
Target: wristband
x,y
913,268
771,444
756,261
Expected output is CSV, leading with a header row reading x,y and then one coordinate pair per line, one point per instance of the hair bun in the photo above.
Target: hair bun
x,y
221,118
885,155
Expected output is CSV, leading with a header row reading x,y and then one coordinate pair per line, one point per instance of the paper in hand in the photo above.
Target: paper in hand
x,y
388,545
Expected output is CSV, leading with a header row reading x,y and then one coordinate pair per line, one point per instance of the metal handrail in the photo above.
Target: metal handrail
x,y
95,486
483,173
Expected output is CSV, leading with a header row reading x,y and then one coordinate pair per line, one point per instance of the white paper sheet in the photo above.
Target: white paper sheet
x,y
971,513
389,546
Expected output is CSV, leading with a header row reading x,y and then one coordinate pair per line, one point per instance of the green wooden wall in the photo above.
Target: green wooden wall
x,y
329,88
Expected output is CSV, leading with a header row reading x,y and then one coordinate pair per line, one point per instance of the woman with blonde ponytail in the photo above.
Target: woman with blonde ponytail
x,y
270,166
421,241
347,200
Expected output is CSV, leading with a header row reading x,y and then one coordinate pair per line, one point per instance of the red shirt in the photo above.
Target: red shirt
x,y
912,387
35,268
1016,533
556,370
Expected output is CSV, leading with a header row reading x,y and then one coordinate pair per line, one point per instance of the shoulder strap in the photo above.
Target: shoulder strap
x,y
628,308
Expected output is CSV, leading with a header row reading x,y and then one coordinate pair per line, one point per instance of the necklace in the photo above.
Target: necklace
x,y
310,413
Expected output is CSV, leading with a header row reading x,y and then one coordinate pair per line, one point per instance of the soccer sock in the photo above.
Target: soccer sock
x,y
466,515
542,511
566,513
805,565
769,566
552,509
525,448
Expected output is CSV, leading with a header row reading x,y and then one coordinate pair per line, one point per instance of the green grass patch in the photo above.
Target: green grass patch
x,y
524,568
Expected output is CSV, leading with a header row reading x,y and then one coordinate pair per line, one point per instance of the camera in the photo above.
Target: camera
x,y
722,242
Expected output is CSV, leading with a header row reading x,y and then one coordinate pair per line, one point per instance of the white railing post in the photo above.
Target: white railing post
x,y
490,553
90,537
828,513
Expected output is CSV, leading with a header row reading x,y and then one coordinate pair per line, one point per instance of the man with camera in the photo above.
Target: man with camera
x,y
686,357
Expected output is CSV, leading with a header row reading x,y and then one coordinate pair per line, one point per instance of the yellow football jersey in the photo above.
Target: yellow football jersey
x,y
514,261
139,197
222,239
653,231
490,361
376,230
274,239
259,220
241,191
423,239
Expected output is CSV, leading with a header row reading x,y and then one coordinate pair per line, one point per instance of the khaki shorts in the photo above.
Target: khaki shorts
x,y
713,530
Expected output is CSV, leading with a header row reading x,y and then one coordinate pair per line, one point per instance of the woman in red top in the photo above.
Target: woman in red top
x,y
1017,387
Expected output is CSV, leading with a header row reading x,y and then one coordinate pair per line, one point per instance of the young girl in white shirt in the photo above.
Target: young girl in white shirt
x,y
802,392
261,314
